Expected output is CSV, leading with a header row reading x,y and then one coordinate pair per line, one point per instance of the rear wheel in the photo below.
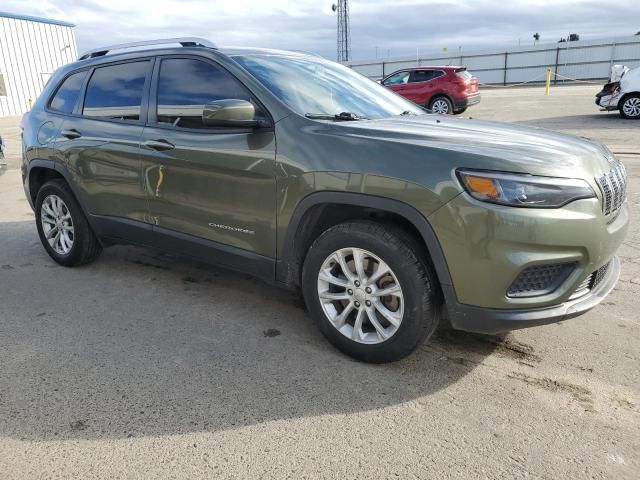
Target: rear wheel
x,y
369,292
630,106
62,226
441,105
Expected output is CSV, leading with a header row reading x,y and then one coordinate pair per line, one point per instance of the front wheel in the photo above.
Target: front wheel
x,y
369,292
441,105
630,107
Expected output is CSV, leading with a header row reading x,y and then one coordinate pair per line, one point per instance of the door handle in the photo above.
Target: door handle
x,y
159,145
71,134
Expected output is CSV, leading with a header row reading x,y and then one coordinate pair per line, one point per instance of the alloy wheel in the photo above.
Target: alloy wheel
x,y
360,295
631,107
57,224
440,106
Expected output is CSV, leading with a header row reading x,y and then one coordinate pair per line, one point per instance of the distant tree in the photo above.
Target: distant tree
x,y
536,37
562,40
574,37
638,33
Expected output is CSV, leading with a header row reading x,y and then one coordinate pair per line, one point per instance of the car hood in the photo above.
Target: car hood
x,y
491,145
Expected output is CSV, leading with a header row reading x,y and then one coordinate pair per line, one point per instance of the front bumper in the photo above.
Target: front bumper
x,y
494,320
607,101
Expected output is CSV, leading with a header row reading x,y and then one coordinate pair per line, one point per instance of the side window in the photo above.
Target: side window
x,y
397,79
67,94
422,75
186,85
115,91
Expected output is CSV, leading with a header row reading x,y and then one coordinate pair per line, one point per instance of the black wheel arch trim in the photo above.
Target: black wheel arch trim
x,y
625,97
437,95
286,261
62,170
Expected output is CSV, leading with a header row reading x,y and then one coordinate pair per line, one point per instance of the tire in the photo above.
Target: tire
x,y
417,304
84,247
630,106
461,111
441,105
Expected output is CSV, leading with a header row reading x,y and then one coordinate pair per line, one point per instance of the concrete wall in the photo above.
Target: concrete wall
x,y
585,59
31,49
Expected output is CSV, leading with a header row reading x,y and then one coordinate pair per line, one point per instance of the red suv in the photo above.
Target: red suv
x,y
441,89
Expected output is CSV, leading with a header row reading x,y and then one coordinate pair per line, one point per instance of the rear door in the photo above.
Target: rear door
x,y
100,141
422,85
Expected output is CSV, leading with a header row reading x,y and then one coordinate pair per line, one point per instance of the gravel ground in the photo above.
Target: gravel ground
x,y
142,365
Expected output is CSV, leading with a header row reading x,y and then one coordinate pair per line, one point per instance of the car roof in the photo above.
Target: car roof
x,y
228,51
439,67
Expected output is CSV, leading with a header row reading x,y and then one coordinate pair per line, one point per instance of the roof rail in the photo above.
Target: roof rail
x,y
184,41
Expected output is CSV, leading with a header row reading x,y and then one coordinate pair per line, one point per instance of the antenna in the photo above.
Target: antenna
x,y
344,30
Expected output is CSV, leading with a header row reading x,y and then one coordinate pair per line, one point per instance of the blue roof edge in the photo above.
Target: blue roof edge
x,y
36,19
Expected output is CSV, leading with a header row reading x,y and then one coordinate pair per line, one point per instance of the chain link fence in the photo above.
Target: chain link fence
x,y
582,60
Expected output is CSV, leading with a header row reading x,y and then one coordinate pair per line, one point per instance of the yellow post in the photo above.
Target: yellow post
x,y
547,83
30,104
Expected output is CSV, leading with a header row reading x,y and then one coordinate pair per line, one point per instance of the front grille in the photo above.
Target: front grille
x,y
540,279
598,275
613,186
591,282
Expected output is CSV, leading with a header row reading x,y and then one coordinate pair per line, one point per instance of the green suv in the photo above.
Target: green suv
x,y
306,174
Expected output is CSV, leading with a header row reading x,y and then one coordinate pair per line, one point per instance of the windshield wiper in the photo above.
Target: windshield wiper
x,y
407,112
339,117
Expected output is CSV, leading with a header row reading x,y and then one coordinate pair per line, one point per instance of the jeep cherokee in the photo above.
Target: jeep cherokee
x,y
306,174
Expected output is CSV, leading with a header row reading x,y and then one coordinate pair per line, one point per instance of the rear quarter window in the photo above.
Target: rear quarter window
x,y
65,98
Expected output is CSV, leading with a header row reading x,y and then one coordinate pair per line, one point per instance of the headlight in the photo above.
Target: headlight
x,y
522,190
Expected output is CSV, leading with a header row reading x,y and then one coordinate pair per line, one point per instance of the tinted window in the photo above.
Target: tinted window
x,y
424,75
65,98
116,91
398,78
185,86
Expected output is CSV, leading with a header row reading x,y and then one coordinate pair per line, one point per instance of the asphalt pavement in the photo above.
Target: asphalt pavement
x,y
144,365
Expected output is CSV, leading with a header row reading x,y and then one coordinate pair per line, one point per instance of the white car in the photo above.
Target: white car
x,y
622,92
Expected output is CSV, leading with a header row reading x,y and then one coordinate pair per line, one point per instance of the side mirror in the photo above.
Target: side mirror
x,y
230,113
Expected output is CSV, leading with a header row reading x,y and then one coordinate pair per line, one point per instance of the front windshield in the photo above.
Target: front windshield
x,y
313,85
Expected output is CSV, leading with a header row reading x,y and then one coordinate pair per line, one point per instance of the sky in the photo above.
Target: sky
x,y
395,27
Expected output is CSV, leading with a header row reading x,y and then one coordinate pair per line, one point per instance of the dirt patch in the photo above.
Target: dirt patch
x,y
78,425
271,332
624,403
484,345
147,264
579,393
517,351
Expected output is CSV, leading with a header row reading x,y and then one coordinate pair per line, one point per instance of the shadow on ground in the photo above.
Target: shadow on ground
x,y
143,344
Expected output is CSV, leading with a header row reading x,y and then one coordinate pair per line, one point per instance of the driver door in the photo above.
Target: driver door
x,y
211,183
398,82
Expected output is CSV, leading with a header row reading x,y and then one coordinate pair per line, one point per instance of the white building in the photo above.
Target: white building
x,y
31,49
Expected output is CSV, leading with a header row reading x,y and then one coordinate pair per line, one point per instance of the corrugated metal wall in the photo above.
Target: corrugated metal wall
x,y
584,60
30,51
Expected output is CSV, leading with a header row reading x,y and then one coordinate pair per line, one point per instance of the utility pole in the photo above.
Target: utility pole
x,y
344,30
